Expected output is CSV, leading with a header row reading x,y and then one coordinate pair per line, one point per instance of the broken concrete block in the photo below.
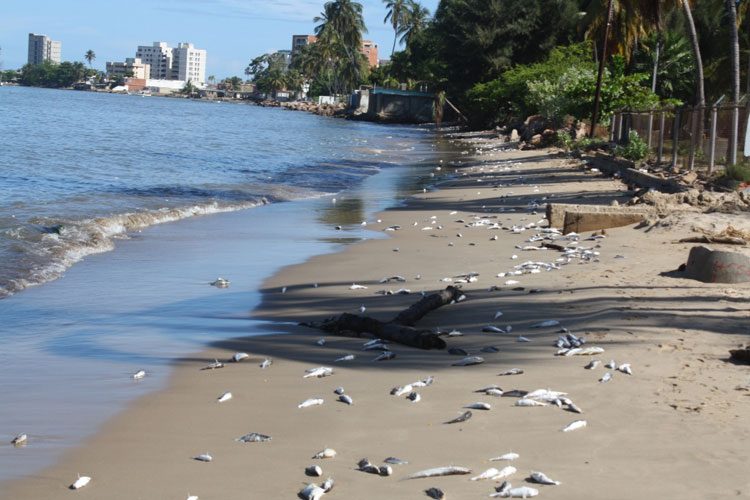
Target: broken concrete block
x,y
718,266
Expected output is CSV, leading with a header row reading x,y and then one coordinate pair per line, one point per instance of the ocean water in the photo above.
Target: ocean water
x,y
121,210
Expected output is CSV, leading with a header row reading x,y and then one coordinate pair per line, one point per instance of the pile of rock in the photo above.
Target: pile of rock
x,y
537,131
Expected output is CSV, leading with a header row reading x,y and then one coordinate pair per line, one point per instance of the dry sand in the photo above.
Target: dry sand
x,y
676,428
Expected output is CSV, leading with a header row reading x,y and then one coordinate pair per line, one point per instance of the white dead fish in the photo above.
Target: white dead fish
x,y
139,374
377,346
385,356
493,329
213,366
192,497
570,406
220,283
512,371
521,492
606,377
545,394
512,282
400,391
283,289
327,453
224,397
478,406
521,338
593,364
502,489
339,391
395,461
425,382
625,368
314,470
590,351
19,440
461,418
450,470
253,437
240,356
312,492
488,474
546,324
611,365
414,397
541,478
344,398
321,342
508,456
469,360
319,372
498,314
357,287
348,357
505,472
327,485
310,402
529,402
80,482
266,363
203,457
577,424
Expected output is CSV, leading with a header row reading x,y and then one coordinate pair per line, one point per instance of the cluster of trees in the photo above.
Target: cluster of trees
x,y
49,74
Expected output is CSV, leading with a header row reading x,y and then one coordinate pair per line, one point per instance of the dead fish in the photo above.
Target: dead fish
x,y
530,402
611,365
545,395
508,456
505,472
424,382
521,338
590,351
593,364
311,492
469,360
319,372
490,349
213,366
515,393
339,391
80,482
321,342
240,356
521,492
327,453
478,406
606,377
19,440
573,408
265,363
546,324
414,397
203,457
435,493
314,471
489,388
488,474
492,329
310,402
253,437
365,466
139,374
625,368
462,418
503,488
456,351
450,470
346,399
220,283
541,478
400,279
395,461
357,287
494,392
385,470
512,371
224,397
377,346
327,485
348,357
577,424
400,391
385,356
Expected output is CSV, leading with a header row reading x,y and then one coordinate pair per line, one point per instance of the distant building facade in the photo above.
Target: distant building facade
x,y
183,63
132,67
299,42
370,50
42,48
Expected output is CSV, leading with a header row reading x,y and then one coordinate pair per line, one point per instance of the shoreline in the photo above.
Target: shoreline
x,y
634,443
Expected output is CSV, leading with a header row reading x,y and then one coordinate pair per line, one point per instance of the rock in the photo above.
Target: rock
x,y
581,131
690,177
740,355
536,140
718,266
514,137
533,125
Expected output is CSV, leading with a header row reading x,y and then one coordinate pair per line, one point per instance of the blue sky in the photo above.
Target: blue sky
x,y
232,31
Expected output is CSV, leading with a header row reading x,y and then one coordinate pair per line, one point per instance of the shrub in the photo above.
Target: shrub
x,y
739,172
635,150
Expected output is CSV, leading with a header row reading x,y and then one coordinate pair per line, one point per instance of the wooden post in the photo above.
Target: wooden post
x,y
662,124
602,61
712,141
676,135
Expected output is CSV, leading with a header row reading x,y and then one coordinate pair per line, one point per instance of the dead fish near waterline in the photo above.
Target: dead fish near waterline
x,y
327,453
435,493
311,492
80,482
139,374
213,366
414,397
488,474
577,424
611,365
321,342
457,351
377,346
224,397
385,356
357,287
319,372
461,418
397,278
450,470
541,478
521,492
508,456
348,357
515,393
492,329
310,402
505,472
478,406
266,363
530,402
425,382
19,440
240,356
253,437
512,371
344,398
521,338
203,457
469,360
339,391
400,391
395,461
625,368
593,364
314,470
606,377
220,283
546,324
490,349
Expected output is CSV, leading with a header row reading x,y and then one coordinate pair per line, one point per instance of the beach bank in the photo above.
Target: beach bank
x,y
674,428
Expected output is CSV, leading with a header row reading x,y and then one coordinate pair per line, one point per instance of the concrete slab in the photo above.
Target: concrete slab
x,y
718,266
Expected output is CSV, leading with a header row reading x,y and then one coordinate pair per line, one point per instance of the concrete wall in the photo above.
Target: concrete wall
x,y
400,107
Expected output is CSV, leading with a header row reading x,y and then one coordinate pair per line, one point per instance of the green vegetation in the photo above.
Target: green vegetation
x,y
635,150
90,55
49,74
739,172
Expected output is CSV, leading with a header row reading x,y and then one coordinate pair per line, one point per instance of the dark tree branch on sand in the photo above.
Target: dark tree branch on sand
x,y
401,328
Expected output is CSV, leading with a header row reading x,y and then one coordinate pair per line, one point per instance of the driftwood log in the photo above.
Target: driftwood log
x,y
401,328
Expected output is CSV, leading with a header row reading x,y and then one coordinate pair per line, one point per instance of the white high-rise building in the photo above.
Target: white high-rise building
x,y
159,58
42,48
189,64
182,63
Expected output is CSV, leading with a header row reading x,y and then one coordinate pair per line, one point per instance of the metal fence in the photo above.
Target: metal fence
x,y
687,137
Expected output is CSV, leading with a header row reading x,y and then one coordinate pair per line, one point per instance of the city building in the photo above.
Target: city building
x,y
159,58
42,48
189,64
370,50
132,67
299,42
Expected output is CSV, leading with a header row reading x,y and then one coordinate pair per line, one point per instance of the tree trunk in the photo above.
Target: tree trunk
x,y
400,329
700,97
600,75
735,58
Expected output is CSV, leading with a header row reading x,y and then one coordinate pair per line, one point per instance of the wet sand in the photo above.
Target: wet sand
x,y
675,428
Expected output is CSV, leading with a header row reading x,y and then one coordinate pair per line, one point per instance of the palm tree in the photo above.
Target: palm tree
x,y
90,56
735,52
396,16
340,41
416,18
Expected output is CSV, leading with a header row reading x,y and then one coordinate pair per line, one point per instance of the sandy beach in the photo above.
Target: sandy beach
x,y
676,428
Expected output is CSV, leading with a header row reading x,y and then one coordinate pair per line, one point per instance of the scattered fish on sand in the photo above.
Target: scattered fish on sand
x,y
314,471
253,437
312,492
449,470
508,456
435,493
224,397
395,461
20,440
327,453
521,338
80,482
625,368
385,356
266,363
611,365
139,374
319,372
461,418
240,356
469,360
515,393
377,346
488,474
478,406
541,478
203,457
348,357
489,349
425,382
310,402
344,398
512,371
577,424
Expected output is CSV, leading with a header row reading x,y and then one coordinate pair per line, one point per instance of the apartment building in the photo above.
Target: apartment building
x,y
158,56
42,48
299,42
369,48
132,67
189,63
